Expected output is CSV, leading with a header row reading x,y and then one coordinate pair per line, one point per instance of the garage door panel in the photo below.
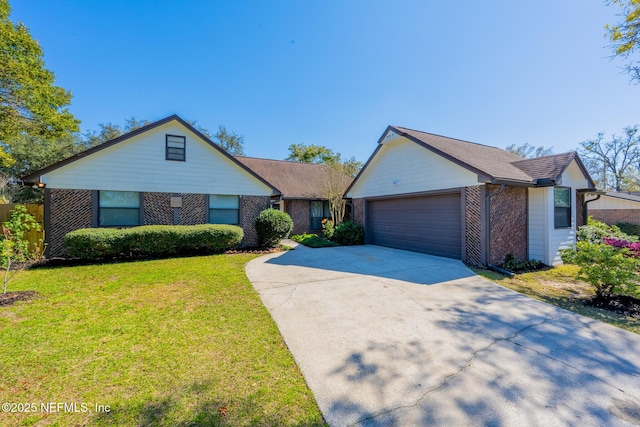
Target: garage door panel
x,y
429,224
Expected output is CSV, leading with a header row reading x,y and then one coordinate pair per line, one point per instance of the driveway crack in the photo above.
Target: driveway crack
x,y
446,379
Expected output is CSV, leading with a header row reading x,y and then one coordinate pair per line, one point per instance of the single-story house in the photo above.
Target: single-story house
x,y
164,173
301,190
170,173
443,196
615,207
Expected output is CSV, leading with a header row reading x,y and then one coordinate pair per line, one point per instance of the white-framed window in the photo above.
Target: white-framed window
x,y
562,207
224,209
118,208
175,148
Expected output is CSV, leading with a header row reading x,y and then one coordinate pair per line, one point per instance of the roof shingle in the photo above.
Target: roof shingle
x,y
295,180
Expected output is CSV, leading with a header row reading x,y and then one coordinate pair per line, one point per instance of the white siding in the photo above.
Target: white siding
x,y
538,223
138,164
564,237
609,203
402,166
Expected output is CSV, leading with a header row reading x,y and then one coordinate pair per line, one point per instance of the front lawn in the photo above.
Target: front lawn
x,y
558,286
171,342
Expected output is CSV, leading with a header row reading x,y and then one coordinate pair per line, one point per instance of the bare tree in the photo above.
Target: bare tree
x,y
615,160
335,184
529,151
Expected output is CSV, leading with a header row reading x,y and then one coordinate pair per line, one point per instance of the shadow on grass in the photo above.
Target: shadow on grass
x,y
203,411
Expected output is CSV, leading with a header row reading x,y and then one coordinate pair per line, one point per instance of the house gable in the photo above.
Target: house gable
x,y
400,166
138,162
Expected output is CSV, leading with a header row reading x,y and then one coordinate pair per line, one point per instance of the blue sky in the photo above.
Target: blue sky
x,y
336,73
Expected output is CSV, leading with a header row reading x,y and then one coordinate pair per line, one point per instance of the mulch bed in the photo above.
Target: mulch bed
x,y
11,297
621,304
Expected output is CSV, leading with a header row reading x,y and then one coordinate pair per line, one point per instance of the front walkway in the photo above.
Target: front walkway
x,y
387,337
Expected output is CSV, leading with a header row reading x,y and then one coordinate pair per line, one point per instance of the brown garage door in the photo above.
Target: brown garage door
x,y
423,224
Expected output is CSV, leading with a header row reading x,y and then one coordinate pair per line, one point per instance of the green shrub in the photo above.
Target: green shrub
x,y
328,228
151,241
629,229
313,240
515,265
272,226
610,270
349,233
596,231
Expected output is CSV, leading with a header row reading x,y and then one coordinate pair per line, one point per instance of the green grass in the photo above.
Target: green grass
x,y
558,286
171,342
313,240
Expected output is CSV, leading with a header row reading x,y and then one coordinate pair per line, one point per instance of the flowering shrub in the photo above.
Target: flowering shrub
x,y
634,247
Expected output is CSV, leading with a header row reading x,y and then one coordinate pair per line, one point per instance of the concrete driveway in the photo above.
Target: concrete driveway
x,y
388,337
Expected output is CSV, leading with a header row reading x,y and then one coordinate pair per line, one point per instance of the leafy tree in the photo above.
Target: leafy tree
x,y
312,154
529,151
108,131
29,101
611,162
229,141
625,35
321,154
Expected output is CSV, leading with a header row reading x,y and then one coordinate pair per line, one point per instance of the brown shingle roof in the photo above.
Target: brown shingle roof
x,y
493,162
546,167
295,180
490,161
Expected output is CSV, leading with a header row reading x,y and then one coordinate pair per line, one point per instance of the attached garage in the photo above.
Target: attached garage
x,y
428,224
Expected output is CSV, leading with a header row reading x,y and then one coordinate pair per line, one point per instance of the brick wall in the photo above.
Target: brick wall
x,y
193,210
157,209
614,216
68,210
358,211
250,207
299,211
508,223
474,215
580,220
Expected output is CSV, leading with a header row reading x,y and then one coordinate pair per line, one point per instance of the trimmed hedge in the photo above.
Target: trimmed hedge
x,y
349,233
151,241
272,226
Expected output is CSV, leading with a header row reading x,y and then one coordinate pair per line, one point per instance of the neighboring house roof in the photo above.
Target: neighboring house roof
x,y
35,176
625,196
295,180
492,164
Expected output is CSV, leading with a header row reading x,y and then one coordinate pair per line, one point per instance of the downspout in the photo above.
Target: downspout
x,y
487,214
584,207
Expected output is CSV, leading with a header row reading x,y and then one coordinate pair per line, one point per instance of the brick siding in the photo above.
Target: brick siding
x,y
250,207
69,210
193,210
157,209
358,211
580,220
614,216
300,213
474,216
508,223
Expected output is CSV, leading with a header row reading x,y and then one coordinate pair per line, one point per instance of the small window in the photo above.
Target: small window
x,y
119,208
176,148
320,209
224,209
562,207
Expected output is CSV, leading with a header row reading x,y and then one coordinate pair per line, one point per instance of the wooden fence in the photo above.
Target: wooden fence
x,y
33,236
